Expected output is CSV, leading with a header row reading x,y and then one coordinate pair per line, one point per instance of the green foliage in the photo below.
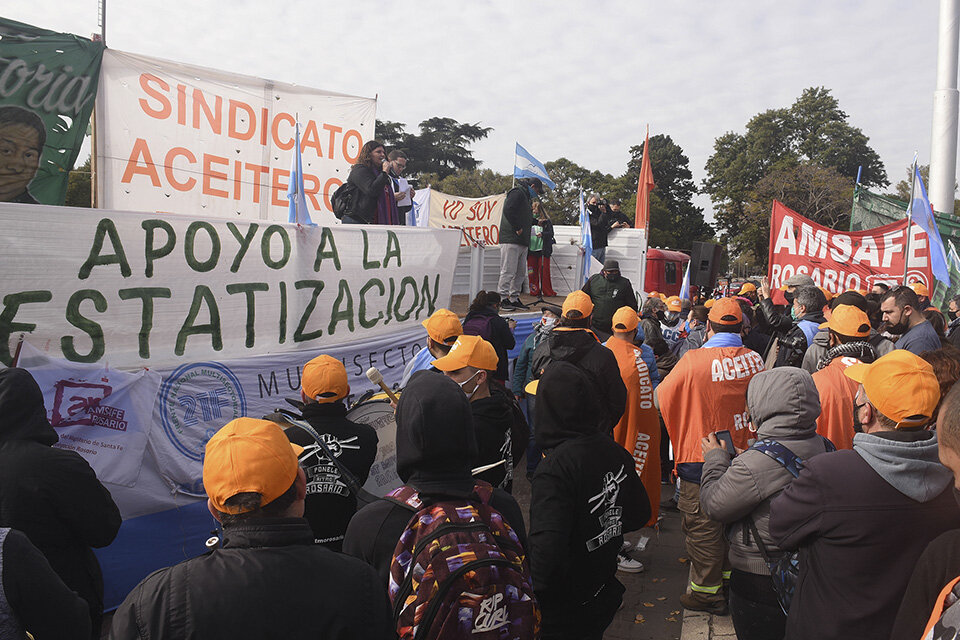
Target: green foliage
x,y
78,186
441,147
389,133
476,183
563,203
785,147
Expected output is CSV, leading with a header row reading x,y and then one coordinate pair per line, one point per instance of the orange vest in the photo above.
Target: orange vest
x,y
639,429
939,608
836,402
707,392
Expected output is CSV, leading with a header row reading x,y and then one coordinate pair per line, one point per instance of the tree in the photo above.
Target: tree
x,y
674,220
477,183
391,134
440,148
78,186
813,132
563,203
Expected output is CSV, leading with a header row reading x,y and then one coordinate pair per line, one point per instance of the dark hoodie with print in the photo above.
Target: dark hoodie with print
x,y
52,495
584,496
502,434
436,451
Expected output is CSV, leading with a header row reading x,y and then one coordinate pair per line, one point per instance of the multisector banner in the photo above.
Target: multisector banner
x,y
478,217
139,290
842,260
176,138
48,82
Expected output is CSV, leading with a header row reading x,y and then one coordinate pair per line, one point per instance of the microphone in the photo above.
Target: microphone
x,y
377,378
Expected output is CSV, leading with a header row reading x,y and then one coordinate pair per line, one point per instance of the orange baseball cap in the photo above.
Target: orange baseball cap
x,y
826,294
747,288
249,456
324,379
443,326
469,351
674,304
653,294
848,320
726,311
901,385
709,303
920,289
577,301
625,319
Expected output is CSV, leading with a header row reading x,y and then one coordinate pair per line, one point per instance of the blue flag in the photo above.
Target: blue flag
x,y
297,211
685,287
526,166
586,237
922,214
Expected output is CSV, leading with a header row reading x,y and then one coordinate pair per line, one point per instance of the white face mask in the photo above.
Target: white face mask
x,y
470,395
548,322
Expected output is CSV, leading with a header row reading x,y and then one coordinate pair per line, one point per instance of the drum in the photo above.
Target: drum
x,y
377,412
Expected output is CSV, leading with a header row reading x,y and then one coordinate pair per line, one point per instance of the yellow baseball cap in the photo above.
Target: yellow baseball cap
x,y
747,288
625,319
248,456
469,351
324,379
709,303
920,289
443,326
901,385
674,304
577,301
848,320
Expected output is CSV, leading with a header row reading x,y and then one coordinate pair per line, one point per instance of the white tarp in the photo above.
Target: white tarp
x,y
140,290
173,137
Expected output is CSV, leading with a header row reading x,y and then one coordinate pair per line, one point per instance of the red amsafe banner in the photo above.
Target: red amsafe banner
x,y
843,260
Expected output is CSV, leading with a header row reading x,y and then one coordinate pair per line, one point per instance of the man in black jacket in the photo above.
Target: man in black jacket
x,y
436,451
585,495
268,579
515,224
52,495
574,342
608,291
772,319
329,503
500,427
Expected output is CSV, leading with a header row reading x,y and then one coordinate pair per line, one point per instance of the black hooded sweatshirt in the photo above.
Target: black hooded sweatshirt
x,y
52,495
502,434
436,450
584,496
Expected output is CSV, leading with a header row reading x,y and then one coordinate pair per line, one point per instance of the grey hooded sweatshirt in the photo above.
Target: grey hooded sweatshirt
x,y
783,405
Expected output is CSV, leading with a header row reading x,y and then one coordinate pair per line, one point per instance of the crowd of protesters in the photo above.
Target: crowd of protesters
x,y
814,447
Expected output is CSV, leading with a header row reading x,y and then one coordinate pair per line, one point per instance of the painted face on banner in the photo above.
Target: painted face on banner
x,y
19,158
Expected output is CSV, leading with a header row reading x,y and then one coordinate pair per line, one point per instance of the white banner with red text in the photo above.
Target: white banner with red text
x,y
479,218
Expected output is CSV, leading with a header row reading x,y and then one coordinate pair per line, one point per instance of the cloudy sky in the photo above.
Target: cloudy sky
x,y
564,78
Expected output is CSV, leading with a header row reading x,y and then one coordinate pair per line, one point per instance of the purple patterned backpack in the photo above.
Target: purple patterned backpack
x,y
459,571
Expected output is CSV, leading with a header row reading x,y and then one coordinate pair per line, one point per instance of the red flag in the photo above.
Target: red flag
x,y
644,186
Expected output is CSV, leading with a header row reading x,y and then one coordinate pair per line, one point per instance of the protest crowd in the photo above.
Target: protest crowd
x,y
810,449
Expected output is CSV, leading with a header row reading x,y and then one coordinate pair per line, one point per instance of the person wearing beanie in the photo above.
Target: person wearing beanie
x,y
737,491
608,291
584,496
266,579
821,340
862,518
436,453
329,504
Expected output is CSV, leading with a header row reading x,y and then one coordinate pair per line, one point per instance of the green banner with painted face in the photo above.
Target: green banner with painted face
x,y
48,84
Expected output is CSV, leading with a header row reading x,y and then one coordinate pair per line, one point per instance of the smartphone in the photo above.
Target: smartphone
x,y
727,441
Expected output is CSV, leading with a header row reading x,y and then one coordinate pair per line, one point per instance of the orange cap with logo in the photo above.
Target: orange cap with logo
x,y
469,351
747,288
920,289
625,319
324,379
443,326
726,311
248,456
674,304
577,301
848,320
901,385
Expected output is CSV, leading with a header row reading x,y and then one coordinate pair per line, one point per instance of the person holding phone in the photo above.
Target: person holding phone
x,y
783,405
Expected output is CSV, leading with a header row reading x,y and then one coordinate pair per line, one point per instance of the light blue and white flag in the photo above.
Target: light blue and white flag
x,y
297,211
685,287
586,237
526,166
922,214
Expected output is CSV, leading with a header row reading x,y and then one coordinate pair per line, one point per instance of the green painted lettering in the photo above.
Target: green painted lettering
x,y
105,229
88,326
189,246
201,296
265,246
244,241
11,304
364,322
317,286
368,264
342,309
393,249
249,289
146,296
150,251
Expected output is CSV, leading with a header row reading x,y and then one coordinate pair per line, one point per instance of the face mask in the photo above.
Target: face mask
x,y
548,322
469,395
789,296
611,277
952,314
671,316
594,208
793,312
857,425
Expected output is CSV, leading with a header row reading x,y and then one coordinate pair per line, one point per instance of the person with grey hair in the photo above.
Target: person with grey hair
x,y
807,314
773,319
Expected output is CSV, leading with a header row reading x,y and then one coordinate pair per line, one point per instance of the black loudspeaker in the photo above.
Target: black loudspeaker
x,y
704,264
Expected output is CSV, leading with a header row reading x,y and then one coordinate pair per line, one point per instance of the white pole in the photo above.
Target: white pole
x,y
946,99
913,185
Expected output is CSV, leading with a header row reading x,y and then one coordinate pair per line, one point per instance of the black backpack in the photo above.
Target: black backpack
x,y
344,199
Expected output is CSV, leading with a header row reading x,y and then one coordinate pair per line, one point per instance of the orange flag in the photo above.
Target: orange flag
x,y
644,186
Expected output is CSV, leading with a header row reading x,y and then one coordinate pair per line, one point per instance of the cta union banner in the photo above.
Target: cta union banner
x,y
145,290
48,83
179,138
843,260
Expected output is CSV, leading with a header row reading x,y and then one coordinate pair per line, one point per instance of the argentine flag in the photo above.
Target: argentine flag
x,y
586,237
297,211
922,215
685,287
526,166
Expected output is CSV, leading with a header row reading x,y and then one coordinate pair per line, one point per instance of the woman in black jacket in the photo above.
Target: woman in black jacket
x,y
374,201
483,319
538,260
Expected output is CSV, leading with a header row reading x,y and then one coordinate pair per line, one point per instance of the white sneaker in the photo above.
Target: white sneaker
x,y
626,546
628,564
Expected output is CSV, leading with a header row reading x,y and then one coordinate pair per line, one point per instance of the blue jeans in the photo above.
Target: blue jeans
x,y
600,254
527,405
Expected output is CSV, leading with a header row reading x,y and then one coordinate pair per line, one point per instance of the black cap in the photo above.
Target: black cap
x,y
611,265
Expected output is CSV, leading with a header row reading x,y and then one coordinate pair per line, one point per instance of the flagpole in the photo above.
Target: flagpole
x,y
513,178
913,184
